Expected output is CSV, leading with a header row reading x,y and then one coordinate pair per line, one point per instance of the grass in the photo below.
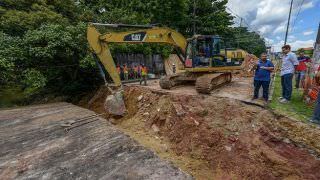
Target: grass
x,y
10,96
296,109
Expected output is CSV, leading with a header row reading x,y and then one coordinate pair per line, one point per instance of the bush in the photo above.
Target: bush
x,y
33,81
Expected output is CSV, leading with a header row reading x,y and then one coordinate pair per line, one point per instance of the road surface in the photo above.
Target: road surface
x,y
35,145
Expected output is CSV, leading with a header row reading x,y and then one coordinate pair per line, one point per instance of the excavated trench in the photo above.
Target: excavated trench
x,y
210,137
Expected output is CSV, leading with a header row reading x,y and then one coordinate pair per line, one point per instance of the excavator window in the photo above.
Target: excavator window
x,y
189,55
203,52
239,55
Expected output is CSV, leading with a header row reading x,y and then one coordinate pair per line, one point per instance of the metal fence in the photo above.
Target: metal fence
x,y
154,62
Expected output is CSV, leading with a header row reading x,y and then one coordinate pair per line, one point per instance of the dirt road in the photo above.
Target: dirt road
x,y
34,145
240,88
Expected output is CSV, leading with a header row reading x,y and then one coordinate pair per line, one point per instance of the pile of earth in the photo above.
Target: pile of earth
x,y
211,137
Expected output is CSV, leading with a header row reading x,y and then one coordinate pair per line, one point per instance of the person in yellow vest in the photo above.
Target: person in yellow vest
x,y
144,74
118,69
139,70
135,70
126,72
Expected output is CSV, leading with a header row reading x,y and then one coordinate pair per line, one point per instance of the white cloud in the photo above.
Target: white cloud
x,y
268,16
306,33
269,41
291,37
294,44
278,38
279,29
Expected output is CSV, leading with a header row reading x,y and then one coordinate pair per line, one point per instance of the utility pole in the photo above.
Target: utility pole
x,y
194,17
288,24
241,19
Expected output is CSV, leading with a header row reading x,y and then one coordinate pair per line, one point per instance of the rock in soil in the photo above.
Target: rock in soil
x,y
114,104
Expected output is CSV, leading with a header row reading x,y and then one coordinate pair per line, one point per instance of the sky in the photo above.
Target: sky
x,y
269,18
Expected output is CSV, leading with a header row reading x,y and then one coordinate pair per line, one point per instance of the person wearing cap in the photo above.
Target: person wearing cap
x,y
174,68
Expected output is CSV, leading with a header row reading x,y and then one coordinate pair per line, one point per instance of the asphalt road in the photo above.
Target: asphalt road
x,y
34,144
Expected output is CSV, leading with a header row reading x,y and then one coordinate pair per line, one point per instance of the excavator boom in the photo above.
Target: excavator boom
x,y
99,43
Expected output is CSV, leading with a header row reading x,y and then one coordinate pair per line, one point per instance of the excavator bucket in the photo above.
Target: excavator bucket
x,y
114,104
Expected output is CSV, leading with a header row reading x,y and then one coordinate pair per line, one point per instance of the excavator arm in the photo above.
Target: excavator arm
x,y
99,43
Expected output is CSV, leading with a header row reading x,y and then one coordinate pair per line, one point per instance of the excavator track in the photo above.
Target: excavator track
x,y
206,83
165,83
168,82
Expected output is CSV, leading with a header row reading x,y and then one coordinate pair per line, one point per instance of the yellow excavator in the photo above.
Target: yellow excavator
x,y
205,63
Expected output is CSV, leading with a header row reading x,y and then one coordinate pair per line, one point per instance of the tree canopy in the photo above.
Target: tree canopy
x,y
43,42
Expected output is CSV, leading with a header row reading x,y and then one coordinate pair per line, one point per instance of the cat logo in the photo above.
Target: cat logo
x,y
139,36
136,37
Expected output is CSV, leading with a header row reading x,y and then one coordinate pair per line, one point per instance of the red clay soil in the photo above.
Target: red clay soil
x,y
235,140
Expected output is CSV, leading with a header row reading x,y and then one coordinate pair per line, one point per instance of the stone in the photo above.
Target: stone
x,y
164,148
286,140
146,114
114,104
113,121
196,122
155,128
140,98
179,109
228,148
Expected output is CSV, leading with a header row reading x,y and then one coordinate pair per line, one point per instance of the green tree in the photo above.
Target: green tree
x,y
11,54
16,20
210,17
252,42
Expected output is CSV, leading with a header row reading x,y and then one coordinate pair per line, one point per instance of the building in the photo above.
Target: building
x,y
316,52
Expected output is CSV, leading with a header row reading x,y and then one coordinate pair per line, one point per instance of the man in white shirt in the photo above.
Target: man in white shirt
x,y
289,63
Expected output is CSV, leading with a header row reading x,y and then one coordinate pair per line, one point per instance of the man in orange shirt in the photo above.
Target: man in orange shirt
x,y
139,70
144,74
135,70
126,72
118,69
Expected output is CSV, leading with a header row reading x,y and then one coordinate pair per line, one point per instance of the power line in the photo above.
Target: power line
x,y
243,20
298,13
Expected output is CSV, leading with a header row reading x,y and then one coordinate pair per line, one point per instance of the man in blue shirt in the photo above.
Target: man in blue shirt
x,y
262,77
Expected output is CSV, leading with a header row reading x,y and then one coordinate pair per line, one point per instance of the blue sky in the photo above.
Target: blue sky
x,y
269,18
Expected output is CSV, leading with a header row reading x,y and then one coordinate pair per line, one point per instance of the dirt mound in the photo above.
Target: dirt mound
x,y
212,137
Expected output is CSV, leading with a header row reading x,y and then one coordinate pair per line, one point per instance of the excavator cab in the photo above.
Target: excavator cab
x,y
205,51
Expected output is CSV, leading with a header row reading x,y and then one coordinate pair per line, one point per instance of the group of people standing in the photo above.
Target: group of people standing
x,y
133,72
291,66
